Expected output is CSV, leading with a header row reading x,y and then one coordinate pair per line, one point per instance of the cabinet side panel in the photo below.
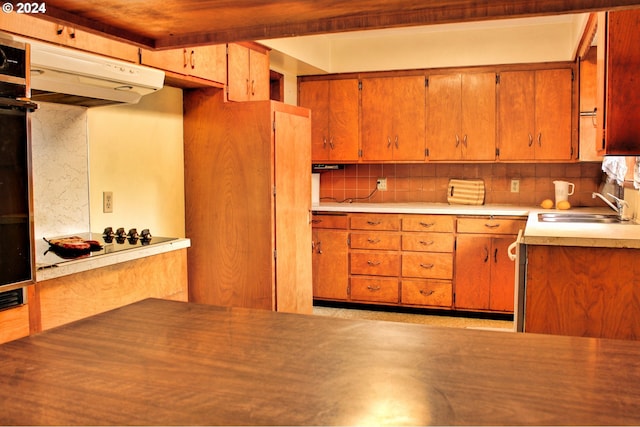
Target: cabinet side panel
x,y
294,292
228,199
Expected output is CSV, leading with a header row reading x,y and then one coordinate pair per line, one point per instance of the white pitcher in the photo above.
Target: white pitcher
x,y
562,190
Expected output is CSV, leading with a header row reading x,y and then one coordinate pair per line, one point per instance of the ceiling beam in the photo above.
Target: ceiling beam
x,y
378,15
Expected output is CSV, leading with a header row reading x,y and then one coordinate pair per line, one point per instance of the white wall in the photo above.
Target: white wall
x,y
136,151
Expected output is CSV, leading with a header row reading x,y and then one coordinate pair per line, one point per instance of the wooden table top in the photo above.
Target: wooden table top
x,y
173,363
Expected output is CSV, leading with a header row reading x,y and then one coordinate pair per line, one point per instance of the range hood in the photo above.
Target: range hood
x,y
69,76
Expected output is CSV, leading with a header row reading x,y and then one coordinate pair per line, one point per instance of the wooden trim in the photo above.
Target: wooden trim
x,y
588,36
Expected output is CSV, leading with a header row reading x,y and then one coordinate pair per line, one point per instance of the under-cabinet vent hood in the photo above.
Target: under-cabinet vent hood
x,y
69,76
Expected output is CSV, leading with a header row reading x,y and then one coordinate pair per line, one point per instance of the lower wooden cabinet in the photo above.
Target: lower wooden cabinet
x,y
485,276
375,289
433,293
431,261
583,291
330,264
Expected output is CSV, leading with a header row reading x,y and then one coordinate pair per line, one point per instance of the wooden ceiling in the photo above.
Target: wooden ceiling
x,y
179,23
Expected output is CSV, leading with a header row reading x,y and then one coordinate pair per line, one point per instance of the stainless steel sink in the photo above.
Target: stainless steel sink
x,y
580,218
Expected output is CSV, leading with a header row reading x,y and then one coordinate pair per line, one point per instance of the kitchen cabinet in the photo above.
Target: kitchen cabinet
x,y
205,62
582,291
484,278
330,260
65,299
427,260
14,321
617,63
374,258
247,72
462,116
248,202
335,130
40,29
588,106
535,114
393,118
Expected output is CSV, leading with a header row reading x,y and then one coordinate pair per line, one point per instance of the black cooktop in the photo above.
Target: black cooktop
x,y
45,257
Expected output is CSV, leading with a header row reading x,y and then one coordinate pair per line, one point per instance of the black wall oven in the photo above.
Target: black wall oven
x,y
16,223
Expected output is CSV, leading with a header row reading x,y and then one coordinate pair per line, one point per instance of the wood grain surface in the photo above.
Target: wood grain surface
x,y
167,363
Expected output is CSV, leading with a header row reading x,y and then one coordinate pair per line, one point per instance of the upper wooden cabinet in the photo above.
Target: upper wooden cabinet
x,y
247,72
40,29
334,105
393,118
462,116
618,62
206,62
534,114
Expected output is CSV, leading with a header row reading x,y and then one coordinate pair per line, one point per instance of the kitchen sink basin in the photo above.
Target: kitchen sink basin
x,y
581,218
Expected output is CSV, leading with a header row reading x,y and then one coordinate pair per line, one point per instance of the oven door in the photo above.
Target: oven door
x,y
16,258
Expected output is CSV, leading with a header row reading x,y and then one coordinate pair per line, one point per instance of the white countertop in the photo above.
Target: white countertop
x,y
85,264
423,208
580,234
536,232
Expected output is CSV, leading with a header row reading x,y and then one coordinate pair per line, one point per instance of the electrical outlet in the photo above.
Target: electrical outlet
x,y
515,185
381,185
107,201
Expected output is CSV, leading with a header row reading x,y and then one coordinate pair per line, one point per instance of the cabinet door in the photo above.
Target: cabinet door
x,y
553,114
620,85
473,272
344,128
208,62
502,275
237,72
259,85
41,29
377,121
409,116
334,109
330,264
478,131
445,117
314,95
293,285
174,60
516,115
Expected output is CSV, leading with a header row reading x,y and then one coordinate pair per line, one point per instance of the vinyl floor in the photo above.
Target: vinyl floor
x,y
457,321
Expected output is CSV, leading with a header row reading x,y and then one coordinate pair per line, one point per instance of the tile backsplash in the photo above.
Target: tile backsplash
x,y
60,170
428,182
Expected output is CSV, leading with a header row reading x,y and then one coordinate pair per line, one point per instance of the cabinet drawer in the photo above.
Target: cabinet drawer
x,y
427,242
373,263
388,241
374,289
439,223
375,222
437,293
330,221
490,225
427,265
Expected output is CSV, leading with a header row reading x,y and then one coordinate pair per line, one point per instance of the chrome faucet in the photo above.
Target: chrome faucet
x,y
620,207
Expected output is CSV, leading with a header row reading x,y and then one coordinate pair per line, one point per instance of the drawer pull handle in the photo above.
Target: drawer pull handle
x,y
426,242
373,263
427,224
316,221
373,222
427,265
427,293
373,288
492,225
373,240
